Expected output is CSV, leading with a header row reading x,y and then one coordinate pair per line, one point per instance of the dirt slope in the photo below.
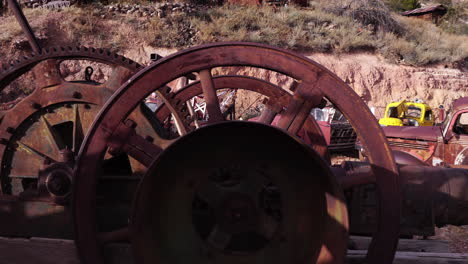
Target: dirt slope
x,y
378,82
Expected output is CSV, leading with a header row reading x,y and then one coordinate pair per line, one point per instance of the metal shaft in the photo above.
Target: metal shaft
x,y
16,9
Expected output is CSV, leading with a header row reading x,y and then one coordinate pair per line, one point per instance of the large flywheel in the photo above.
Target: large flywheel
x,y
233,191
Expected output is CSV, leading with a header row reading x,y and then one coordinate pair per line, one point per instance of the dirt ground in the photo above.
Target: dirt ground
x,y
456,235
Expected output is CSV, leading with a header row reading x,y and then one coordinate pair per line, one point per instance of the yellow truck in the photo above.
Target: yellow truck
x,y
407,114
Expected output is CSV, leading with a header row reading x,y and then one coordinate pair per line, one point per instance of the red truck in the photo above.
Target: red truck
x,y
445,144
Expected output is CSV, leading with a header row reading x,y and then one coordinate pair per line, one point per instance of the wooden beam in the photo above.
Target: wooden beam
x,y
410,245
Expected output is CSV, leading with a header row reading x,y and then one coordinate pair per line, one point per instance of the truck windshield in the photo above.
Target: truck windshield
x,y
413,112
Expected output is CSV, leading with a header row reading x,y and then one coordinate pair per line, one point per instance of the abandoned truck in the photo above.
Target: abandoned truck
x,y
442,145
405,113
338,132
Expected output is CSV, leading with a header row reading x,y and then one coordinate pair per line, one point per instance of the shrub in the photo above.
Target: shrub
x,y
366,12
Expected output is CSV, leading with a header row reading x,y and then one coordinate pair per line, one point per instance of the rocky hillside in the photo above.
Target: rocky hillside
x,y
375,80
379,83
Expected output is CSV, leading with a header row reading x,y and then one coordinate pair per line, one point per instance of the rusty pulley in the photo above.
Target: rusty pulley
x,y
311,83
243,199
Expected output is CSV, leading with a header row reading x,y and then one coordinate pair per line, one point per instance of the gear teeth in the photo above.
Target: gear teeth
x,y
11,70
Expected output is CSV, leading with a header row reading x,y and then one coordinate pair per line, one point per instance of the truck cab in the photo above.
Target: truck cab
x,y
407,114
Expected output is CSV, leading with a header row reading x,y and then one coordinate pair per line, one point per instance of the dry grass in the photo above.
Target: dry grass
x,y
172,31
423,43
289,27
416,42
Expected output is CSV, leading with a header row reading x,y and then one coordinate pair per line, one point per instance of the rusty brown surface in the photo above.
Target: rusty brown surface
x,y
426,133
317,82
432,196
41,134
422,150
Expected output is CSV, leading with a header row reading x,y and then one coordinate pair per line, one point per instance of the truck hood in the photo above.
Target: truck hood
x,y
427,133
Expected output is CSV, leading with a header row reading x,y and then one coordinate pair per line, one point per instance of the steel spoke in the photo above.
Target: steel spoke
x,y
53,135
167,96
210,96
269,112
34,151
78,133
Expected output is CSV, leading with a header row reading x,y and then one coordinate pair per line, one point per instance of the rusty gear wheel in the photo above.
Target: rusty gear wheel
x,y
40,135
165,179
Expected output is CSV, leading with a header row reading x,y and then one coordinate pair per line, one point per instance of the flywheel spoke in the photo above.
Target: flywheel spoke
x,y
211,98
141,149
78,132
53,135
299,108
34,151
270,112
125,139
177,108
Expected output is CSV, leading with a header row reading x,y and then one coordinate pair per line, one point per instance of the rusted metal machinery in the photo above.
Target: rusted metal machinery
x,y
197,206
42,133
431,196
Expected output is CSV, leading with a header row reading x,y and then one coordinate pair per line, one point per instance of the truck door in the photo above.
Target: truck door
x,y
456,151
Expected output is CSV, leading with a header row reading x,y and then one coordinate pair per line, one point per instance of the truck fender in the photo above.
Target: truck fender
x,y
405,158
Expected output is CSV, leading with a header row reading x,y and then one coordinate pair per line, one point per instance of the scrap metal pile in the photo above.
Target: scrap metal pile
x,y
91,161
